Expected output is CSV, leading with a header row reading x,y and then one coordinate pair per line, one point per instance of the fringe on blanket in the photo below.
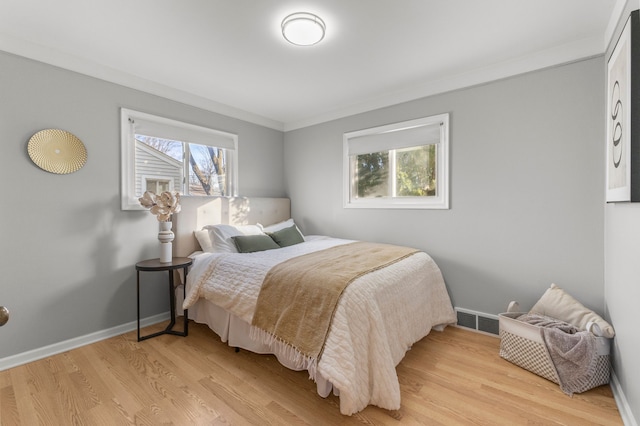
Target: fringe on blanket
x,y
300,360
575,358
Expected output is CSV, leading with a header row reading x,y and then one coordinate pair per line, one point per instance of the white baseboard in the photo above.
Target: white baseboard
x,y
56,348
621,401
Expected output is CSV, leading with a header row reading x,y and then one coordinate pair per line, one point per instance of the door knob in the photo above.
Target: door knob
x,y
4,315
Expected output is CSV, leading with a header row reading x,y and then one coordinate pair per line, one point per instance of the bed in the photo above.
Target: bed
x,y
352,346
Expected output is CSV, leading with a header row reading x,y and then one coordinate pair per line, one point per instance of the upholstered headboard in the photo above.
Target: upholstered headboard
x,y
197,212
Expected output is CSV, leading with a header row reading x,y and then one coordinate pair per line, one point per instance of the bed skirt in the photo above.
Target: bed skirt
x,y
235,332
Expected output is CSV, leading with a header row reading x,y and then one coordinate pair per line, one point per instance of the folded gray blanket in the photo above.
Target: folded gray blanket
x,y
572,352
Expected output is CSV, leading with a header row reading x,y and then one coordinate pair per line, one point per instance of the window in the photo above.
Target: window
x,y
157,185
401,165
159,154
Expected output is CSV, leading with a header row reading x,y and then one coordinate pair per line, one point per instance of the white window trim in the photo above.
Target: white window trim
x,y
146,178
129,200
439,202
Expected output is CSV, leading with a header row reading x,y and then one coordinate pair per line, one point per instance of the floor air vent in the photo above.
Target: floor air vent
x,y
479,321
466,320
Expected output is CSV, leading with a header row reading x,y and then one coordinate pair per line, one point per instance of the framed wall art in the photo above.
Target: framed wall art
x,y
623,119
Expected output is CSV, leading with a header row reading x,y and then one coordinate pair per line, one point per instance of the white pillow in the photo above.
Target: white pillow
x,y
221,235
279,226
558,304
204,240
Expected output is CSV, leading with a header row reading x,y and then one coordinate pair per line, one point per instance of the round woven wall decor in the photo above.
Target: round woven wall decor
x,y
57,151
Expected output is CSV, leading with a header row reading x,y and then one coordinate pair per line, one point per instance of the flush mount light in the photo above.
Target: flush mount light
x,y
303,29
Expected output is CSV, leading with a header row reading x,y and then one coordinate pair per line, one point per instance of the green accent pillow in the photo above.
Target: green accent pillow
x,y
287,236
251,243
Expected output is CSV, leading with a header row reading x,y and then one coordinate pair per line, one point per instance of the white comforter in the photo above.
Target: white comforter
x,y
378,317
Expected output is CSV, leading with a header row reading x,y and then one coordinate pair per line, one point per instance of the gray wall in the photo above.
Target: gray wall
x,y
68,251
526,188
622,283
527,178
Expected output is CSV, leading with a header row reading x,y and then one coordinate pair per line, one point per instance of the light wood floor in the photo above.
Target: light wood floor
x,y
449,378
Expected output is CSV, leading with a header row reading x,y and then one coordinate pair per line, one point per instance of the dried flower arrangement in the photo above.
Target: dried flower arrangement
x,y
162,205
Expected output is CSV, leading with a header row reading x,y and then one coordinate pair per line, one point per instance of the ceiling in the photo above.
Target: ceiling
x,y
229,56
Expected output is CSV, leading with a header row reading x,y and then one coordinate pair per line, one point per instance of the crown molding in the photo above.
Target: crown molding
x,y
617,16
559,55
93,69
562,54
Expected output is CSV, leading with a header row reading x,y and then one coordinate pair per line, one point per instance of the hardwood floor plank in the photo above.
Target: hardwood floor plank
x,y
114,392
455,377
9,405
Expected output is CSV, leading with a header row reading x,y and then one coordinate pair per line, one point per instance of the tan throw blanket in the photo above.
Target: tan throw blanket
x,y
299,296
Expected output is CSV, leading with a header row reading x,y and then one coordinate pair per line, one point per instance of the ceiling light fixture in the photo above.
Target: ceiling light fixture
x,y
303,29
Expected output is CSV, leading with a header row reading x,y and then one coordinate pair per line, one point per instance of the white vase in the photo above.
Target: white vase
x,y
166,237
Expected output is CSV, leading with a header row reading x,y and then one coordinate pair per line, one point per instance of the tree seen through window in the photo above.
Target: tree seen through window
x,y
206,167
